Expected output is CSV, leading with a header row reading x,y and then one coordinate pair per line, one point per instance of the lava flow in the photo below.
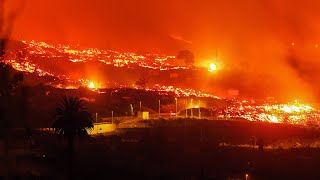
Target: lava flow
x,y
115,58
25,58
291,113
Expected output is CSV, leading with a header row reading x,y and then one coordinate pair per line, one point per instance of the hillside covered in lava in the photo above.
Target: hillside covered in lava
x,y
71,66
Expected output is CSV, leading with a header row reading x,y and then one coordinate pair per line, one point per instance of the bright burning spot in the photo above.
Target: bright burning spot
x,y
286,109
212,67
274,119
91,85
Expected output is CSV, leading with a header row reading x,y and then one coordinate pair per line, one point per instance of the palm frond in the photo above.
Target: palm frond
x,y
71,118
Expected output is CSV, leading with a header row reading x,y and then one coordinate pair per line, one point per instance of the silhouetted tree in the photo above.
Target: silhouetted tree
x,y
142,82
71,119
187,56
9,81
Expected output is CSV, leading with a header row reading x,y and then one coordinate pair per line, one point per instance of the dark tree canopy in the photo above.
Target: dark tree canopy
x,y
9,79
142,82
187,56
72,119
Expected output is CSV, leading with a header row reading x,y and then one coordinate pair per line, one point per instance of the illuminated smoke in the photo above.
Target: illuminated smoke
x,y
8,14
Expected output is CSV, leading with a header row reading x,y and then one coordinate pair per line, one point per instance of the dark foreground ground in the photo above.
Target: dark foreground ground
x,y
200,150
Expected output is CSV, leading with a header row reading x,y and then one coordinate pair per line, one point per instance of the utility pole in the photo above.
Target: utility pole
x,y
176,107
140,105
191,108
131,109
199,110
111,117
97,122
186,109
159,108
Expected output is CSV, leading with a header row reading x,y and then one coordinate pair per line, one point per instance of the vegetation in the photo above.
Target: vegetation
x,y
9,81
71,120
142,82
187,56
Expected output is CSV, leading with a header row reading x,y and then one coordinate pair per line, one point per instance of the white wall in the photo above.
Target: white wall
x,y
100,128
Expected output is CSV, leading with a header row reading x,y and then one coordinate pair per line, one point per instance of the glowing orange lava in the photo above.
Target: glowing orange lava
x,y
292,113
22,59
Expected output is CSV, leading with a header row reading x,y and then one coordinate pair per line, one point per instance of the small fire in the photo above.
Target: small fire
x,y
91,85
212,67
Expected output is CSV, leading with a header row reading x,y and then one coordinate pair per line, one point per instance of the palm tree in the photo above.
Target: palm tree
x,y
72,119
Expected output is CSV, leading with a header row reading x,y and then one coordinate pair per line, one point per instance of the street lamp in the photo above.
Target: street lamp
x,y
176,106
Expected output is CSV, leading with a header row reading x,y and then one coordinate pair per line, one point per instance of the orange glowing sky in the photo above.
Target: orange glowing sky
x,y
251,35
200,25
